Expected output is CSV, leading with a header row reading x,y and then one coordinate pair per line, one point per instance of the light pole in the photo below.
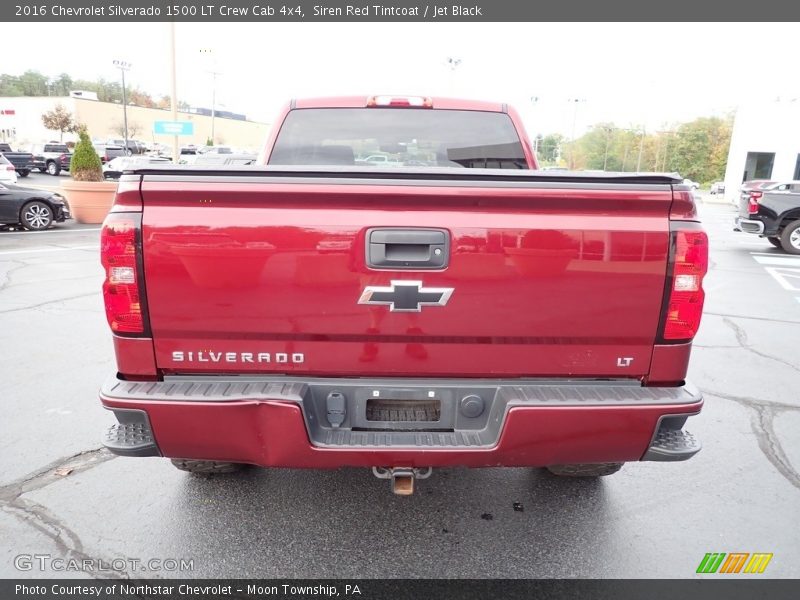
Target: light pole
x,y
452,64
608,142
641,148
210,53
535,102
576,101
124,66
173,89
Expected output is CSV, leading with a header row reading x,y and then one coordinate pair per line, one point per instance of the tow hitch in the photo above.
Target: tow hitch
x,y
402,478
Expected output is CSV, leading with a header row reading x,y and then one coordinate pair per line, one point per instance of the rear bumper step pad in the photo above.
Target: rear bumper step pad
x,y
132,435
672,445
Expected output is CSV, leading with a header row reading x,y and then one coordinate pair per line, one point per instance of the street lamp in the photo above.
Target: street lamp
x,y
452,63
124,66
608,142
575,101
210,53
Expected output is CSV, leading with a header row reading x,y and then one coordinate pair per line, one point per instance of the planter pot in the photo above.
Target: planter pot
x,y
89,201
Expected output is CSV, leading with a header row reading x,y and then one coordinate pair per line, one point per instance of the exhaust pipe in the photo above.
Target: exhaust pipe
x,y
402,478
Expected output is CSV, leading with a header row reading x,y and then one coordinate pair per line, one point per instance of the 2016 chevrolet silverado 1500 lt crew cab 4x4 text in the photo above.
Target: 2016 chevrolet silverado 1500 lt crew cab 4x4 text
x,y
467,310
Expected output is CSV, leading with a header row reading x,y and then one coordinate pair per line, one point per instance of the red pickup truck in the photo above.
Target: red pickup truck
x,y
450,305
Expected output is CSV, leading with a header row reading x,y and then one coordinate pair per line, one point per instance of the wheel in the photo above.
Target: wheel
x,y
775,241
585,470
53,168
129,152
790,238
23,173
36,216
206,467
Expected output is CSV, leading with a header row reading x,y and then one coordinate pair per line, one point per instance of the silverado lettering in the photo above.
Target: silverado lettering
x,y
462,307
234,357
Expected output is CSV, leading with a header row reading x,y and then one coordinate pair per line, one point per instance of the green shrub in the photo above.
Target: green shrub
x,y
85,164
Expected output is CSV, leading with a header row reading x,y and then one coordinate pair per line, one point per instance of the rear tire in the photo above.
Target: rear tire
x,y
585,470
775,241
23,173
206,467
790,238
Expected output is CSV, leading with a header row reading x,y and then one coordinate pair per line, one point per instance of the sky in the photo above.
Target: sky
x,y
633,74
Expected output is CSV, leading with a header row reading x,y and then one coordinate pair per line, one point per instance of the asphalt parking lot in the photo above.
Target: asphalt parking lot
x,y
62,495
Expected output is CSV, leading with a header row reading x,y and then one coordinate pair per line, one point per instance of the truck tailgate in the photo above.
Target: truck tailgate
x,y
265,274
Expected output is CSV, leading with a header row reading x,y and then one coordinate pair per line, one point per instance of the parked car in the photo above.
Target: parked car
x,y
157,149
132,147
211,158
692,184
8,173
214,150
33,209
22,161
757,185
114,168
718,187
379,160
773,213
108,152
51,158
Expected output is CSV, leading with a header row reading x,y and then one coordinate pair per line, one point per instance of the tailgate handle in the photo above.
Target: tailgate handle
x,y
393,248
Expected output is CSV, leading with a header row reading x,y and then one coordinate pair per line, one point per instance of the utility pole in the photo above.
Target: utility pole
x,y
124,66
608,142
210,53
173,89
452,63
576,101
641,148
534,102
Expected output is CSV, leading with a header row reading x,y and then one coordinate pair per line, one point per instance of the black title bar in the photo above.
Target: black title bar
x,y
248,11
730,588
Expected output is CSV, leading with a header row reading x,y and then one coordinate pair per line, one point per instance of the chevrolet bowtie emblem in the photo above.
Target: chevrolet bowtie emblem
x,y
405,296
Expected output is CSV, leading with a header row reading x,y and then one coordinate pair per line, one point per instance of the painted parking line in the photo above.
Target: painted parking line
x,y
788,279
5,233
783,269
39,250
777,260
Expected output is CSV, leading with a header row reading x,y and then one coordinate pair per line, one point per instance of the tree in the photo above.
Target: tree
x,y
59,119
63,84
33,83
133,128
699,149
550,148
85,164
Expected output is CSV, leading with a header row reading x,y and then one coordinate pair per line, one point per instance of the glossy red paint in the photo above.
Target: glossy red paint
x,y
273,434
683,205
547,281
135,358
669,364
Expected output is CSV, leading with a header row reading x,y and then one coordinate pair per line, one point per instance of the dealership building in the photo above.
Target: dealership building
x,y
21,122
765,144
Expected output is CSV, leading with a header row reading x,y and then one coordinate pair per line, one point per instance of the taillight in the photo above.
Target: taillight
x,y
10,168
119,254
689,264
752,202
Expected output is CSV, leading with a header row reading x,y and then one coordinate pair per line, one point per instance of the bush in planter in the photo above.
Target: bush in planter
x,y
85,164
89,197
